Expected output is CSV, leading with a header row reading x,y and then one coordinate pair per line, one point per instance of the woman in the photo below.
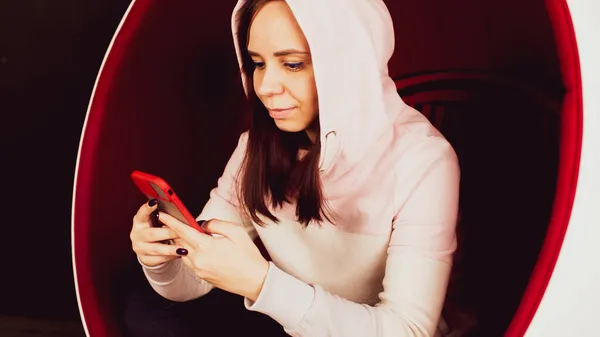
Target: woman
x,y
353,193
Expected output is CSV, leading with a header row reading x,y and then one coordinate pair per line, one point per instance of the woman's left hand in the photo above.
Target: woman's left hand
x,y
231,262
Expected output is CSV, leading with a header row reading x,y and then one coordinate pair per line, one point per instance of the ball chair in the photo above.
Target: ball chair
x,y
502,80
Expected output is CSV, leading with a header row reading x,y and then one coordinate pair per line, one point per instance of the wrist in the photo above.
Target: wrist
x,y
150,266
258,280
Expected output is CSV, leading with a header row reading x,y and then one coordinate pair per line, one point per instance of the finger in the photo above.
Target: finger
x,y
159,249
143,214
158,234
185,232
224,228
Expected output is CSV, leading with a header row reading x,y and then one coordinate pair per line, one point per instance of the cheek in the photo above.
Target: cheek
x,y
305,92
314,97
311,100
256,83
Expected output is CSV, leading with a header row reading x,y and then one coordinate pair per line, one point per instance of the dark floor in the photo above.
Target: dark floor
x,y
27,327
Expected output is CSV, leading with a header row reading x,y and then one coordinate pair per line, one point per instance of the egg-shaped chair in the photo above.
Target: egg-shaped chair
x,y
502,80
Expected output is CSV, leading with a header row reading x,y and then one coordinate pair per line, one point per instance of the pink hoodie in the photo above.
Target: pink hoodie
x,y
389,175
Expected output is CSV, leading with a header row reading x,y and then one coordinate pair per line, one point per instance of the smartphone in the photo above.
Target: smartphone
x,y
154,187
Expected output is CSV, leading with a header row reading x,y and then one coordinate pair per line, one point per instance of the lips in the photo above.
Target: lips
x,y
280,113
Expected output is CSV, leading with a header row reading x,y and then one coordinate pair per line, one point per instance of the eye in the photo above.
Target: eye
x,y
294,66
259,65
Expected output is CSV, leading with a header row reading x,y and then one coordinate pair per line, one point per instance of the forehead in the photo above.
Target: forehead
x,y
275,27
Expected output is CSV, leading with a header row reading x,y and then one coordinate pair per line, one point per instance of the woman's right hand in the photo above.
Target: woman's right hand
x,y
146,236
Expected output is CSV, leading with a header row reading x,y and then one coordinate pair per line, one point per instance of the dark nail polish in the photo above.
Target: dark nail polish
x,y
200,222
181,251
154,219
152,202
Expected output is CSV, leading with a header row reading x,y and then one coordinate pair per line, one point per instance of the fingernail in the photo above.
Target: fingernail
x,y
181,251
200,222
152,202
154,219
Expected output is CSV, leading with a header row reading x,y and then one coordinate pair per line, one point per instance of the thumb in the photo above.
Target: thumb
x,y
221,228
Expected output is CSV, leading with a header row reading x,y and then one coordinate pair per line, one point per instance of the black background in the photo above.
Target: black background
x,y
50,54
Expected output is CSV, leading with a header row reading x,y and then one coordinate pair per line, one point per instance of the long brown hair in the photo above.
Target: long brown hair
x,y
271,172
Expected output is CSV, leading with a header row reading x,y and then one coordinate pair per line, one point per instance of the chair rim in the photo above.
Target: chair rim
x,y
545,99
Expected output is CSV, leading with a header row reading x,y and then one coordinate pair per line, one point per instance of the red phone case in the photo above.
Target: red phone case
x,y
157,188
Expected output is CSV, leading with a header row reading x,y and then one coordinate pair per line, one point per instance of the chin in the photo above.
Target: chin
x,y
287,125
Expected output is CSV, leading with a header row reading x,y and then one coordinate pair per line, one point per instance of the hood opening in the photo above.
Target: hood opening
x,y
351,43
506,93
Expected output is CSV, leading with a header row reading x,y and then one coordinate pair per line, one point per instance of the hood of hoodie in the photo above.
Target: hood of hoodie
x,y
351,42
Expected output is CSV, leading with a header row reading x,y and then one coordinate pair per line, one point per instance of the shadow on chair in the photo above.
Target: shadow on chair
x,y
506,138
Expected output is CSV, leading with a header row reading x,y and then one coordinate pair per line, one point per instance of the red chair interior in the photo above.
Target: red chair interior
x,y
506,137
169,101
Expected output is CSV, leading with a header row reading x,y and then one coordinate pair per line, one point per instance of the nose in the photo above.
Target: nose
x,y
270,83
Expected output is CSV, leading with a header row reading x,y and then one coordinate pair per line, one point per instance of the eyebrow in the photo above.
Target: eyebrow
x,y
284,52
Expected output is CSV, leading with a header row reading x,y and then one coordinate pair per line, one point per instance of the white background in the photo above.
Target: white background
x,y
571,305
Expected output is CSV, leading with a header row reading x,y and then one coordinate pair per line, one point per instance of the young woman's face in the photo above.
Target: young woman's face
x,y
283,75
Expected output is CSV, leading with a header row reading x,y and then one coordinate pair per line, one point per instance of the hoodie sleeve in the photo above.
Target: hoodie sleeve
x,y
173,280
416,277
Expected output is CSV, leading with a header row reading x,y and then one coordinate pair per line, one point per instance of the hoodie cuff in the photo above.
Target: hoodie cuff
x,y
283,297
162,274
